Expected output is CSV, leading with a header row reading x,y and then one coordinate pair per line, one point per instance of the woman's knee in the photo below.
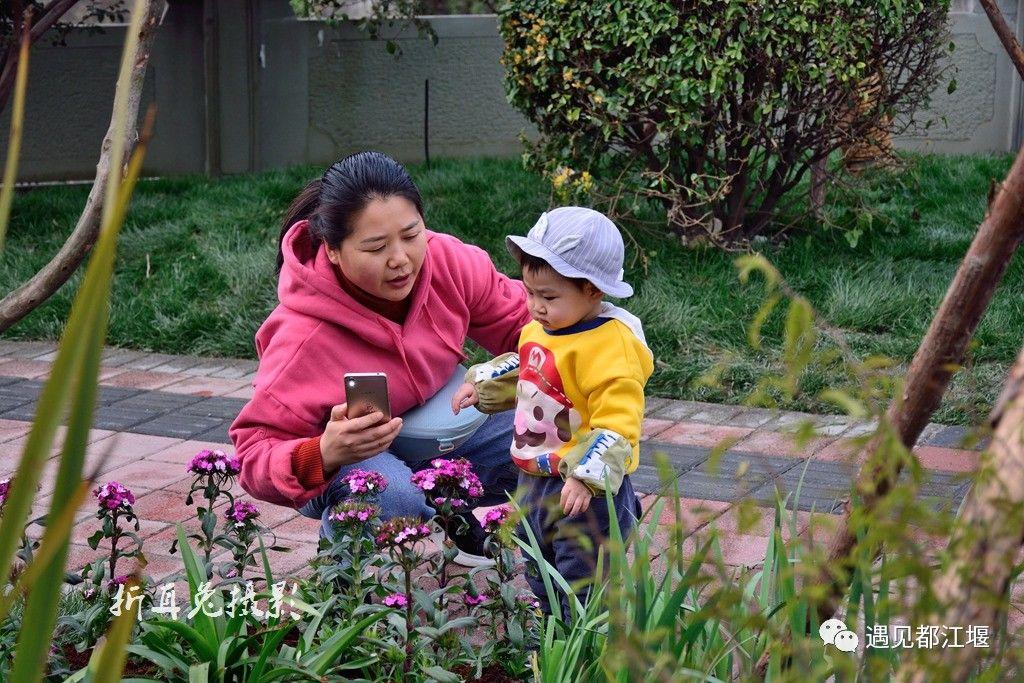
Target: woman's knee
x,y
402,499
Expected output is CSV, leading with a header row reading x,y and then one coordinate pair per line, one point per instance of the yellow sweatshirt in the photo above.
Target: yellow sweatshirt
x,y
578,395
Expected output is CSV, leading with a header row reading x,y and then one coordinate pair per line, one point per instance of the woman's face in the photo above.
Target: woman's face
x,y
383,253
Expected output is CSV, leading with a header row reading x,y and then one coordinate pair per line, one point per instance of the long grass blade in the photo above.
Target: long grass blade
x,y
76,367
17,124
110,664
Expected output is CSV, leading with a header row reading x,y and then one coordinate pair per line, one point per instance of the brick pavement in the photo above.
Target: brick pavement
x,y
156,411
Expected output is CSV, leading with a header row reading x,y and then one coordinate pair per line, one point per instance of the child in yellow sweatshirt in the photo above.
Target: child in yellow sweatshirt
x,y
577,385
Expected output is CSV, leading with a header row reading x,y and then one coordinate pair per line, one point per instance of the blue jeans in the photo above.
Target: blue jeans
x,y
570,544
487,449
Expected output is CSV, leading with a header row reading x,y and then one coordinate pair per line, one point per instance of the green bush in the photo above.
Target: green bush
x,y
713,109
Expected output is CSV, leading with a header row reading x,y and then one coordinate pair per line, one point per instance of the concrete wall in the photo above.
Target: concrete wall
x,y
71,90
241,85
353,95
983,114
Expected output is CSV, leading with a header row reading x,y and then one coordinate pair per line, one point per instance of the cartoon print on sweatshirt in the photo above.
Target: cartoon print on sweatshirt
x,y
545,418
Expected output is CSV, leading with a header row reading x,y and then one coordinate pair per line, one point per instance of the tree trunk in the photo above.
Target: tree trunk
x,y
941,351
49,279
986,540
816,196
875,148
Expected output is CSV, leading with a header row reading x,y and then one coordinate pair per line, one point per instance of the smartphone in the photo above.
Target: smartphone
x,y
367,392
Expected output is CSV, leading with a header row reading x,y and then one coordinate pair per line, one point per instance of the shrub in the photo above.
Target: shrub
x,y
713,109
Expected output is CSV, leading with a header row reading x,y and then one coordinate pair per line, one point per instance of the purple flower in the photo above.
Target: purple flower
x,y
454,503
528,601
496,518
113,495
396,600
353,514
450,481
214,462
5,487
401,532
473,601
241,512
117,581
365,483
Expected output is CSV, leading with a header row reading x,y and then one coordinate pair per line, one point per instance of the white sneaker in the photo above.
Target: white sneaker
x,y
467,560
463,558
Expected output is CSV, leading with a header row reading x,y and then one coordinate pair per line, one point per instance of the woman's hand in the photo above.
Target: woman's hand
x,y
465,396
346,441
575,498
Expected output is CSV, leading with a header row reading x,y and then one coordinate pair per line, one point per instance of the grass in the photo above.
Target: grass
x,y
195,272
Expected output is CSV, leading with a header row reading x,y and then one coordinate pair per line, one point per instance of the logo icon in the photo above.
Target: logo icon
x,y
834,632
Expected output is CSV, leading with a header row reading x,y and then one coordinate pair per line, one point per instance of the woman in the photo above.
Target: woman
x,y
365,287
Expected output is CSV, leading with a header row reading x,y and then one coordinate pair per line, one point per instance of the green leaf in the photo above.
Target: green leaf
x,y
331,649
440,675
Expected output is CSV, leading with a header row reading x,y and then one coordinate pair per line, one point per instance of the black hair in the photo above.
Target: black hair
x,y
535,264
332,202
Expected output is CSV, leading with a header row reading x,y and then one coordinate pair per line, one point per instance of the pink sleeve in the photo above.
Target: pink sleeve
x,y
266,434
497,305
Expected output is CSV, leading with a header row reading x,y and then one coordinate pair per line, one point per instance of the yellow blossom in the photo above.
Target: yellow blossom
x,y
560,178
586,181
567,75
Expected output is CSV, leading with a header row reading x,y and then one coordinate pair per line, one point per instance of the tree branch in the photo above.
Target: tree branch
x,y
985,543
49,279
940,353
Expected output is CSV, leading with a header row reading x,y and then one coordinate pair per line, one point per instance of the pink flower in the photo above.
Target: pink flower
x,y
473,601
449,481
113,495
401,532
495,518
454,503
365,483
241,512
5,487
353,514
214,462
396,600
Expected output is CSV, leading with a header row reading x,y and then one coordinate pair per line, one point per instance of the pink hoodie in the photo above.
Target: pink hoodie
x,y
318,333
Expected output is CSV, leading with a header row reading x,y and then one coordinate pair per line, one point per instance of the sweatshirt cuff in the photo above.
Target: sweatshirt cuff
x,y
308,464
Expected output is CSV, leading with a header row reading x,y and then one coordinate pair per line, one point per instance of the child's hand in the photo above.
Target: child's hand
x,y
575,498
465,396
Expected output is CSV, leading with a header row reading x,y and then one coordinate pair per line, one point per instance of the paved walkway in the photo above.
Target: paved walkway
x,y
156,411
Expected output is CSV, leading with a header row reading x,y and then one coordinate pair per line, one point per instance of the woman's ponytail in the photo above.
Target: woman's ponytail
x,y
302,207
332,203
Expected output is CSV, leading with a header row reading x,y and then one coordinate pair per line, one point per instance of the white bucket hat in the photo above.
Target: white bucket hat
x,y
578,243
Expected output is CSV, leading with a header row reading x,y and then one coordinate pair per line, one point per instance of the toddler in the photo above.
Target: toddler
x,y
577,385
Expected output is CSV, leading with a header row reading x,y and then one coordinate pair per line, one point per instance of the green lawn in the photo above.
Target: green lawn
x,y
196,270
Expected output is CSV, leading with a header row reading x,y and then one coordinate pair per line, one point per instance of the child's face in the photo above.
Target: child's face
x,y
556,302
